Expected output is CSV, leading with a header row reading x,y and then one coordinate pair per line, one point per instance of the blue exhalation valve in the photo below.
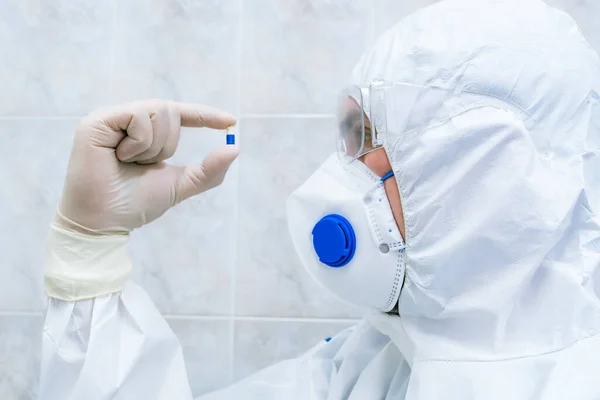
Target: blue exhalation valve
x,y
334,240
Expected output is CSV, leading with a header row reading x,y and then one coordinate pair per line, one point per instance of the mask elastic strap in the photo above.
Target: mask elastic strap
x,y
387,176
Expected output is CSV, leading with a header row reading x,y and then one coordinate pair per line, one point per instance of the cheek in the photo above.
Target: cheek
x,y
391,189
378,162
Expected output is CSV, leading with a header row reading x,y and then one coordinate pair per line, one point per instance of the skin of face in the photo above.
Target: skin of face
x,y
376,160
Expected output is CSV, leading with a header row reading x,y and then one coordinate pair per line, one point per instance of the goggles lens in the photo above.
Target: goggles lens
x,y
354,136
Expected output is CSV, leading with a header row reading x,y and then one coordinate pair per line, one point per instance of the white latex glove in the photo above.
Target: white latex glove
x,y
117,181
117,178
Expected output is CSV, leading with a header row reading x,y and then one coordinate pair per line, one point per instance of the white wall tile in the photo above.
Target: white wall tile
x,y
298,54
259,344
34,158
278,155
206,348
177,49
54,56
20,352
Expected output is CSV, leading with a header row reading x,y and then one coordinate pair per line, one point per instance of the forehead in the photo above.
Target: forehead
x,y
350,110
348,104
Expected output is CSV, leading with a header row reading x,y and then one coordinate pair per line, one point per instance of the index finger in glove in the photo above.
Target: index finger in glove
x,y
191,115
199,116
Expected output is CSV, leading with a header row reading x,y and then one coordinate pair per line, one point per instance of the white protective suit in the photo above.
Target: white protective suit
x,y
500,298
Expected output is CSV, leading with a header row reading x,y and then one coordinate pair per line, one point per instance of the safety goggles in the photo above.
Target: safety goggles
x,y
367,115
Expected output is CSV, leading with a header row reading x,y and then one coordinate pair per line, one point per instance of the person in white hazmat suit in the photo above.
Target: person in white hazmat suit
x,y
459,209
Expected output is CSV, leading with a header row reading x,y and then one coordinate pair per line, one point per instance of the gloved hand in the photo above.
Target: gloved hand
x,y
117,181
117,178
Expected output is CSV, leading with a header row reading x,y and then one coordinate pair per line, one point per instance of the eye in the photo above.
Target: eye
x,y
367,136
352,131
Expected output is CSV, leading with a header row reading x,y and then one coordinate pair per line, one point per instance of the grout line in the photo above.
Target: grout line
x,y
198,317
41,118
236,212
78,117
239,56
231,351
299,319
111,57
315,116
21,313
187,317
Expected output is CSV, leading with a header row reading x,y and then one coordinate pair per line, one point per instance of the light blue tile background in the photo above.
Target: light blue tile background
x,y
221,266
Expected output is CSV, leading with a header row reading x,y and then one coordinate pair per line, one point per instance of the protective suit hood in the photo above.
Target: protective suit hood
x,y
500,200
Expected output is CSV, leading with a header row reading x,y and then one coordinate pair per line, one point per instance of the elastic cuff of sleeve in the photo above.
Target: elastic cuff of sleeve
x,y
80,266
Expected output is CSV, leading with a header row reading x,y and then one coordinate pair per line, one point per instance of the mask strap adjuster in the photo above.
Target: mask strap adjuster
x,y
387,176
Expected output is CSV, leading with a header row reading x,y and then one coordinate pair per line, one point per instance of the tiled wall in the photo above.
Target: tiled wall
x,y
221,266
